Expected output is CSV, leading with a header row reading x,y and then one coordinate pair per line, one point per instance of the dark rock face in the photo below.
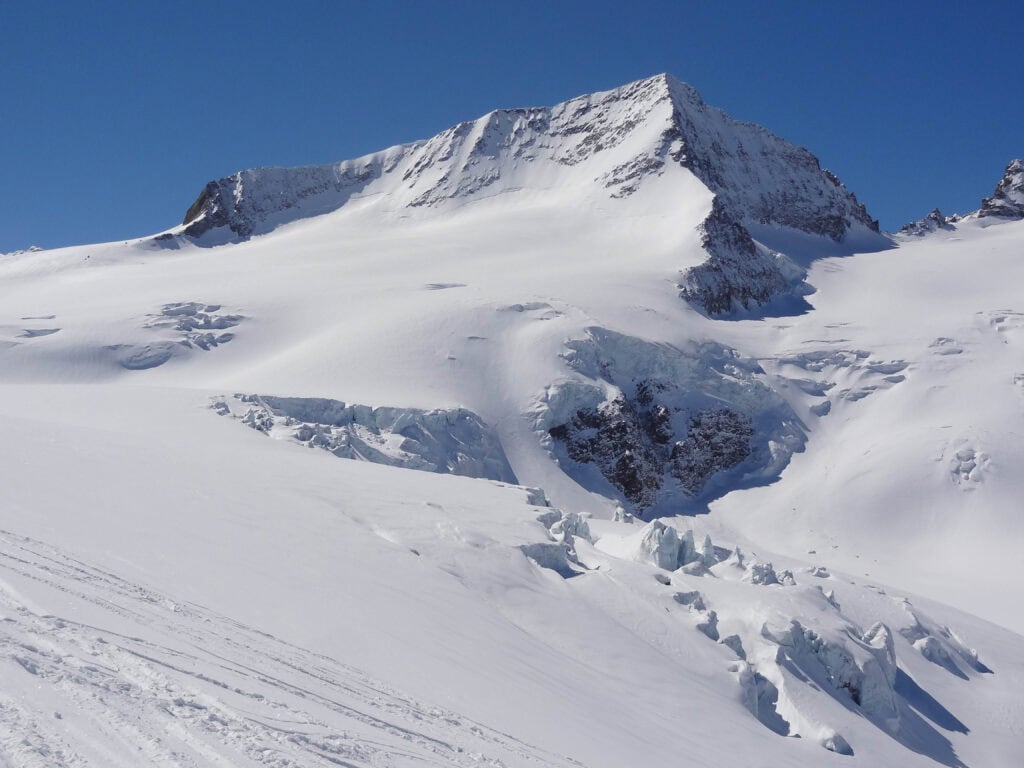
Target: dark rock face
x,y
633,444
1007,202
717,440
626,442
933,222
738,274
209,212
665,426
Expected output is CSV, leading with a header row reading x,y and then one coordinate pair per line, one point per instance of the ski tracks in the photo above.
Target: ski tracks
x,y
139,678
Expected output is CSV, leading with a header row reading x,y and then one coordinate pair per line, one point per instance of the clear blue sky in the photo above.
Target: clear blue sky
x,y
114,114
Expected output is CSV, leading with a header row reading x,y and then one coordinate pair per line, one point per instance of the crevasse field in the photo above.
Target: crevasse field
x,y
337,478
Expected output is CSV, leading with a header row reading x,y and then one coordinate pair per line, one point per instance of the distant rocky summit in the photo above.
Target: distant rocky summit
x,y
933,222
1007,202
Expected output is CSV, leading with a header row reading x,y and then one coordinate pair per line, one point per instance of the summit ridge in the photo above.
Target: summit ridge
x,y
606,146
615,139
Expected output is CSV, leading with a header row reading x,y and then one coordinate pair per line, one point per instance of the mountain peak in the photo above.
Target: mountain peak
x,y
1007,201
616,139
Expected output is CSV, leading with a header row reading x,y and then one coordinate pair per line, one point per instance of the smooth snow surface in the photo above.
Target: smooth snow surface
x,y
374,589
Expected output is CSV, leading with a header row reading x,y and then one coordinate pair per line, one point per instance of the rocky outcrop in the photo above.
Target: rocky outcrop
x,y
1007,202
739,274
933,222
633,443
617,437
716,440
663,425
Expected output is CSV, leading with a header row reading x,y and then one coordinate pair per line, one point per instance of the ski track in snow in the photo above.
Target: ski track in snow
x,y
180,685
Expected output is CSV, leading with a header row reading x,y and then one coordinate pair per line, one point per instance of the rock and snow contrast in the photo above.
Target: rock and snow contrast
x,y
1007,202
604,434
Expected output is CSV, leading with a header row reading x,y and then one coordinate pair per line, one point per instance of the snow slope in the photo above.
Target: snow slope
x,y
503,303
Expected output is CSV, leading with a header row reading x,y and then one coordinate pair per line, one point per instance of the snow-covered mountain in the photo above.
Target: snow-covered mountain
x,y
605,433
607,142
616,139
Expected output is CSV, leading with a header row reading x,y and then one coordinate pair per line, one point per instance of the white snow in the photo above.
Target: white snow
x,y
177,590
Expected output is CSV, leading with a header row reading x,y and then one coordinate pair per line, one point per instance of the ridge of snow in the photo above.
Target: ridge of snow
x,y
933,222
1006,203
614,139
178,590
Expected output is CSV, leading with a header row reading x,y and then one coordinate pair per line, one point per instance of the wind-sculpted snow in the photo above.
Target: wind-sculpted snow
x,y
834,375
185,326
446,441
940,645
861,665
663,546
664,425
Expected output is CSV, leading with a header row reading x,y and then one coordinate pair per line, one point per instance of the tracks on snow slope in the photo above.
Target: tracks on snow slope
x,y
137,676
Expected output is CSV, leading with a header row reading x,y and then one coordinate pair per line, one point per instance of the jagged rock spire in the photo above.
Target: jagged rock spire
x,y
1007,202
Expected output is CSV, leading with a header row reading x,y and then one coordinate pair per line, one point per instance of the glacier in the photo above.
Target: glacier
x,y
604,433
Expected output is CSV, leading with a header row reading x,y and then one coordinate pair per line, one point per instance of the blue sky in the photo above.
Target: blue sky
x,y
114,114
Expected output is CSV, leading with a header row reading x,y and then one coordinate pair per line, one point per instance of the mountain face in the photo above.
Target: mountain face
x,y
615,139
428,463
614,142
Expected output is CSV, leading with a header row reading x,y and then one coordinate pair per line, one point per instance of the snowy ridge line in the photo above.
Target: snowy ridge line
x,y
739,274
210,689
615,139
611,142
